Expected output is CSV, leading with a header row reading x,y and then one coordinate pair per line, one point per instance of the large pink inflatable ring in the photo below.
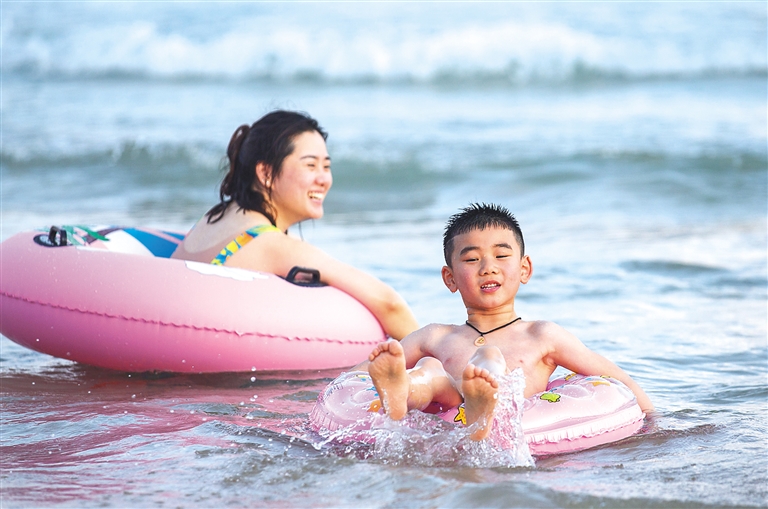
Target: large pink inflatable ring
x,y
111,297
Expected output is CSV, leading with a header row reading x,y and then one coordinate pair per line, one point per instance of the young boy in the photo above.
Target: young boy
x,y
450,364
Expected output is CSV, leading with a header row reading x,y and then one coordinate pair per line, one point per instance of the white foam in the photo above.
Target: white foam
x,y
526,45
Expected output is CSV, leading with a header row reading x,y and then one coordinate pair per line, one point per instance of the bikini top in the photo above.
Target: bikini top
x,y
241,240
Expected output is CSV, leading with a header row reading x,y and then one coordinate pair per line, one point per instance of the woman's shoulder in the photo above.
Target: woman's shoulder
x,y
269,249
206,239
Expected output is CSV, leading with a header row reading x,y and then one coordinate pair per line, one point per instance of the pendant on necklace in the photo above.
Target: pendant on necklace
x,y
481,340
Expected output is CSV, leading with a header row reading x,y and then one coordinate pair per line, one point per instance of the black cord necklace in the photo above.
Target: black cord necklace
x,y
481,340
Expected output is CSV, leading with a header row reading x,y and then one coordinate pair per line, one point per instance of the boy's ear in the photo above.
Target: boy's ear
x,y
526,269
450,283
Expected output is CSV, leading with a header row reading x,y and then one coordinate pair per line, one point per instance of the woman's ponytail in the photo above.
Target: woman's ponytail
x,y
233,153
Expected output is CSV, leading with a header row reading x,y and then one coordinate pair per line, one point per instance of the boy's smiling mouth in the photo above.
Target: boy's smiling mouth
x,y
490,286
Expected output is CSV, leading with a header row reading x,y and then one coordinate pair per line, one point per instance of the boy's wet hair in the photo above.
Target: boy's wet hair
x,y
479,216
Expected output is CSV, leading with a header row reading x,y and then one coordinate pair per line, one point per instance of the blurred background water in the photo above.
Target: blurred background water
x,y
628,138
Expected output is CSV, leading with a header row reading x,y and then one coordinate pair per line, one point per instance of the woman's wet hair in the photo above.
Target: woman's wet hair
x,y
269,140
479,216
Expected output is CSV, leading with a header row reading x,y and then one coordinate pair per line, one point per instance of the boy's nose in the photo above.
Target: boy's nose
x,y
488,267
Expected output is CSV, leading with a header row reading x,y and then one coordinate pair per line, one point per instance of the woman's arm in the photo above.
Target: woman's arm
x,y
278,253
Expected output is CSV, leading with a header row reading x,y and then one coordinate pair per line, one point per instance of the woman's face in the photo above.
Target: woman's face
x,y
298,192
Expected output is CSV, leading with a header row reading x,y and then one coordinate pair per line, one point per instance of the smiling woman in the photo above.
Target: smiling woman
x,y
279,175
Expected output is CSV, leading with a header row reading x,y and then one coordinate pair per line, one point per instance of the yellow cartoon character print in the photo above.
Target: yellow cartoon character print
x,y
461,416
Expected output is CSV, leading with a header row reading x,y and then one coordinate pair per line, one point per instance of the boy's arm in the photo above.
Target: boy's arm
x,y
568,351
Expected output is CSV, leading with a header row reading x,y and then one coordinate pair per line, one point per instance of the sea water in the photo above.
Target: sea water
x,y
629,139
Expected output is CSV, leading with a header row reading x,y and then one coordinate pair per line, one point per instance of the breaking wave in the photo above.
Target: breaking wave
x,y
504,51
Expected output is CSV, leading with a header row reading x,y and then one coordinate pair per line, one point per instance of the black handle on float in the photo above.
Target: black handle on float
x,y
313,273
62,236
50,239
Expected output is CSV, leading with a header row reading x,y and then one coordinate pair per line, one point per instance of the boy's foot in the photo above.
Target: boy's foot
x,y
387,370
479,387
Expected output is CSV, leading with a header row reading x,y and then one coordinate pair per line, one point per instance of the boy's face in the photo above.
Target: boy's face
x,y
487,268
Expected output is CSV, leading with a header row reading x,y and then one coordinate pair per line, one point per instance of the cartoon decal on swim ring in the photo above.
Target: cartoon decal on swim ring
x,y
461,415
550,396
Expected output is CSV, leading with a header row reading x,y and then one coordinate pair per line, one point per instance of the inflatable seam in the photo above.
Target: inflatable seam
x,y
184,326
590,429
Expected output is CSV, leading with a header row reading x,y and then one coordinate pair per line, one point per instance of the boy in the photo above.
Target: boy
x,y
450,364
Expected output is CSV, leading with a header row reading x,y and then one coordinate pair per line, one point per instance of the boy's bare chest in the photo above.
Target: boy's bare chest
x,y
456,351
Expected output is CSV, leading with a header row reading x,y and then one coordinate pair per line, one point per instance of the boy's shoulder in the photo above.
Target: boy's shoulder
x,y
427,341
550,333
539,328
432,333
438,330
544,330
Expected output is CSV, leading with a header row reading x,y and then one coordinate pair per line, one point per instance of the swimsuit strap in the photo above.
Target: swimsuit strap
x,y
241,240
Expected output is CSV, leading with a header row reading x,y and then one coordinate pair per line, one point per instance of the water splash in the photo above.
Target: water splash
x,y
424,439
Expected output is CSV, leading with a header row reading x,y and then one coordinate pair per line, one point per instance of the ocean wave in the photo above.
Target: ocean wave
x,y
130,155
496,52
360,167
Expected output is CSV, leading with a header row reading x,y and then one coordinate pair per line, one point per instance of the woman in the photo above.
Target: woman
x,y
279,175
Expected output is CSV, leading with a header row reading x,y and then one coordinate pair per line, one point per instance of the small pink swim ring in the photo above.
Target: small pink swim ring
x,y
576,412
